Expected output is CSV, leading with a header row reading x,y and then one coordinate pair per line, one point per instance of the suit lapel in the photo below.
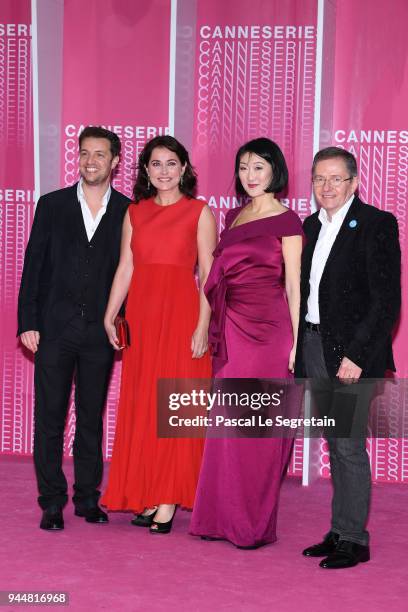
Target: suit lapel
x,y
347,231
75,222
312,236
106,219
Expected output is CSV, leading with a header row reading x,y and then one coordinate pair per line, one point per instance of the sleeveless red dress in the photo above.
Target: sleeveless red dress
x,y
162,311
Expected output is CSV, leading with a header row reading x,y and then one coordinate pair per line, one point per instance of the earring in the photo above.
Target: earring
x,y
181,180
148,182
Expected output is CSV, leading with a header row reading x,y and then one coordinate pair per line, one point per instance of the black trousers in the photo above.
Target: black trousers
x,y
82,352
349,463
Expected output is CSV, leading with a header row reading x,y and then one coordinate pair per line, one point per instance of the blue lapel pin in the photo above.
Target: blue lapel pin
x,y
353,223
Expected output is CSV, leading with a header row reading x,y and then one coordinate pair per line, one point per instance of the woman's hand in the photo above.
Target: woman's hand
x,y
199,342
111,333
292,356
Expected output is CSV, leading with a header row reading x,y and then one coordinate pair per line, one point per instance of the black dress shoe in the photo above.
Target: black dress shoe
x,y
347,554
163,527
326,547
52,519
92,515
143,520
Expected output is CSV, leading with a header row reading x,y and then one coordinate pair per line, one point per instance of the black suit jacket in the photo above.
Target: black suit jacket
x,y
359,292
52,264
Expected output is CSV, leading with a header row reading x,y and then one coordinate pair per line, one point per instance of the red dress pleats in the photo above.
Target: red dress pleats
x,y
162,310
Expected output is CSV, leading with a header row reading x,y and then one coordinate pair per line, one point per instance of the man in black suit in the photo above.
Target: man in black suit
x,y
69,265
350,300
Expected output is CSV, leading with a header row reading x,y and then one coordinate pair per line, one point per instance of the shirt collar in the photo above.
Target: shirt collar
x,y
81,194
338,217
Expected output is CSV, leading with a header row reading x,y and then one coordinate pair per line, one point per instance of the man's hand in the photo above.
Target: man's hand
x,y
30,339
348,372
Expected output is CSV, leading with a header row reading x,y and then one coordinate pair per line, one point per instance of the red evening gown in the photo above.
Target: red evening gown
x,y
162,312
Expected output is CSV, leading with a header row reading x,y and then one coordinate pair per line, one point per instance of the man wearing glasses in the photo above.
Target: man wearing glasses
x,y
350,301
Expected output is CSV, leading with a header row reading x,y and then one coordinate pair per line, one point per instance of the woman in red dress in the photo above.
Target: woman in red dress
x,y
165,233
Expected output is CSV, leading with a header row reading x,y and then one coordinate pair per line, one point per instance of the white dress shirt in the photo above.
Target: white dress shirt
x,y
90,223
327,236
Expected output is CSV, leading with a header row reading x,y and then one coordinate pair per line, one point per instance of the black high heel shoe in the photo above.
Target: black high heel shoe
x,y
143,520
163,527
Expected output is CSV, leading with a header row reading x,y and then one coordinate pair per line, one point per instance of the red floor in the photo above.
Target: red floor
x,y
123,568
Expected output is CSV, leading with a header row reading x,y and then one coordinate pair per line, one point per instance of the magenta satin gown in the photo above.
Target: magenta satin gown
x,y
251,337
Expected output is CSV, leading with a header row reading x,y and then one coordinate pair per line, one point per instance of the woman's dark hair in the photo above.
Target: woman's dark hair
x,y
143,189
270,152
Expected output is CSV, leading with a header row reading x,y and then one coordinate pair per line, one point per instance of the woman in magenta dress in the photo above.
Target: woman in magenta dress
x,y
254,293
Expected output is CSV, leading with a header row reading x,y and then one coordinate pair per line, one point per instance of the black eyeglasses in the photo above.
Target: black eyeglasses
x,y
333,181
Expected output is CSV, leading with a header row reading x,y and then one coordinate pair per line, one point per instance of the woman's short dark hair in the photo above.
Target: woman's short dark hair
x,y
336,153
95,131
270,152
143,188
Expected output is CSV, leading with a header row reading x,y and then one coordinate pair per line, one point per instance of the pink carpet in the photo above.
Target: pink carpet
x,y
123,568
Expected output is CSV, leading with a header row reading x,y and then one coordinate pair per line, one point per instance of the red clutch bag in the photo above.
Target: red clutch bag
x,y
122,332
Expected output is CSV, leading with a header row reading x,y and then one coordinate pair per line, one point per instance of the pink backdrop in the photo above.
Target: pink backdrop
x,y
120,90
16,213
254,74
370,120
